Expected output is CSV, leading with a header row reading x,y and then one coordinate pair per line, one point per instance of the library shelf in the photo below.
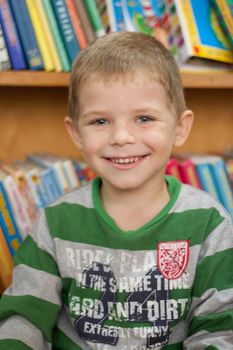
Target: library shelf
x,y
191,79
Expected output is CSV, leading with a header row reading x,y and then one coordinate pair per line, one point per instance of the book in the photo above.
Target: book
x,y
57,37
201,32
222,182
41,36
205,175
47,33
172,168
5,63
23,188
66,28
75,20
56,165
141,17
34,181
85,22
49,177
6,264
11,36
104,14
224,11
19,211
94,18
7,222
27,34
188,172
115,15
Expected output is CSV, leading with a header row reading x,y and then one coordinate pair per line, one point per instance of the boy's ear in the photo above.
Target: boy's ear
x,y
183,127
73,131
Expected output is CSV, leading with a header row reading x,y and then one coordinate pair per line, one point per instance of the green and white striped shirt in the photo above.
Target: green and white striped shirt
x,y
80,282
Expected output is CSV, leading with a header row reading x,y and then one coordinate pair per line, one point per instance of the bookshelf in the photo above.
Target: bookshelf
x,y
33,106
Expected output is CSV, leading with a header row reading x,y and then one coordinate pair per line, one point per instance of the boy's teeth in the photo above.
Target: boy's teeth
x,y
125,160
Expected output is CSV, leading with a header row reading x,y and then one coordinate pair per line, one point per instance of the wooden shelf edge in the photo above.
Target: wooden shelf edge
x,y
190,79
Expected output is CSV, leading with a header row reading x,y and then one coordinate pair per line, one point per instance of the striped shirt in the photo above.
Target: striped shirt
x,y
80,282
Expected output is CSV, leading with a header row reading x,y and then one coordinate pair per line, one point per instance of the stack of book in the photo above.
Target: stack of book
x,y
48,34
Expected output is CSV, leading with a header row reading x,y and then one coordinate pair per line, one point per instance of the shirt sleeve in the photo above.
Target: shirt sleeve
x,y
210,316
29,308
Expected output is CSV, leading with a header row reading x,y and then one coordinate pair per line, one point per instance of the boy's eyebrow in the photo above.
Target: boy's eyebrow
x,y
135,111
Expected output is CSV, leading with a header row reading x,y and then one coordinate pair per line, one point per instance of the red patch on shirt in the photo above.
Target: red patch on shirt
x,y
173,258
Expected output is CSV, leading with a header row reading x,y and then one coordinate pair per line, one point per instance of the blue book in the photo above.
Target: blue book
x,y
27,34
66,28
7,222
222,182
11,37
205,175
49,177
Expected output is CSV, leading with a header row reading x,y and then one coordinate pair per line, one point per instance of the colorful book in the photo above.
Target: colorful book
x,y
27,34
66,28
21,217
11,36
205,175
222,182
7,222
224,10
202,34
94,18
104,14
5,63
115,15
85,22
172,168
41,36
188,172
141,18
47,33
6,264
76,23
57,37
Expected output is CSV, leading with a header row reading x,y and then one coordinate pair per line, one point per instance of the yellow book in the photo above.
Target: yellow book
x,y
53,49
41,35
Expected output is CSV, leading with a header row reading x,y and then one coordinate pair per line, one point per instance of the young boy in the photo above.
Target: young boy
x,y
135,260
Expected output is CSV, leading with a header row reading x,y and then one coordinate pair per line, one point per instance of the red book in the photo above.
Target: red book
x,y
188,173
172,168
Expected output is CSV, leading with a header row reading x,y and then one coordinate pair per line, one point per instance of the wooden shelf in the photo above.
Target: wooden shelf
x,y
191,79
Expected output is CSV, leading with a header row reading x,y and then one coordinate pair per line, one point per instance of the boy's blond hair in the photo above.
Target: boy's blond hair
x,y
118,55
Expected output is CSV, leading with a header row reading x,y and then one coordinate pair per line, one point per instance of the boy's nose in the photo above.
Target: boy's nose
x,y
122,135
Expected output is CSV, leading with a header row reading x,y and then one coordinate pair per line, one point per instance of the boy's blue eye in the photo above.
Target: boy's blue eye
x,y
101,121
145,119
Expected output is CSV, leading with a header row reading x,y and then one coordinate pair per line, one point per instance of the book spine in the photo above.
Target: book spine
x,y
71,174
57,37
19,211
224,11
85,21
27,34
36,187
40,35
189,174
11,36
6,263
115,14
8,223
94,17
206,180
51,184
66,28
75,20
172,168
5,63
223,186
51,45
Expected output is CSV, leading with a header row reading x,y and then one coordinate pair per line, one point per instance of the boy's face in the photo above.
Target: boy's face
x,y
126,131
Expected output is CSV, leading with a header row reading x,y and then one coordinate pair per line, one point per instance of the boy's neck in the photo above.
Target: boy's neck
x,y
133,209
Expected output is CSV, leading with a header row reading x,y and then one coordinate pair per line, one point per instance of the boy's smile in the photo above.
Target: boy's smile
x,y
126,131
